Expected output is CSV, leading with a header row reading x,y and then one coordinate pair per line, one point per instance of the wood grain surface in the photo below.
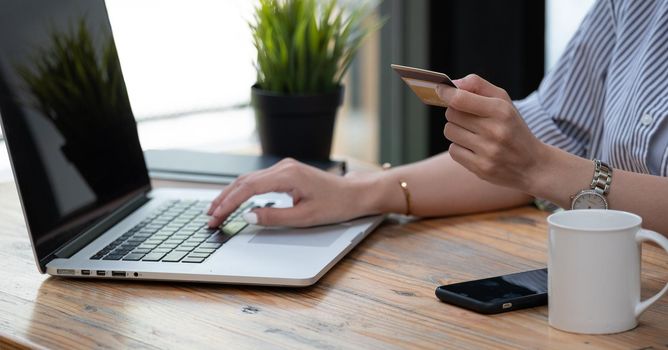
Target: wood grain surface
x,y
381,296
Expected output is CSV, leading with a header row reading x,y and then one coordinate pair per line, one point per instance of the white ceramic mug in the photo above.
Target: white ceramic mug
x,y
594,270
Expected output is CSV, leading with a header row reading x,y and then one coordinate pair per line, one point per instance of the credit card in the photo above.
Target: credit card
x,y
424,82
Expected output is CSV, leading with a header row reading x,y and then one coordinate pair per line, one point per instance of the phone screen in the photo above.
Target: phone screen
x,y
502,288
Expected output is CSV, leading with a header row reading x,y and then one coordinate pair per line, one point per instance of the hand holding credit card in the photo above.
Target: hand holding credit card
x,y
424,82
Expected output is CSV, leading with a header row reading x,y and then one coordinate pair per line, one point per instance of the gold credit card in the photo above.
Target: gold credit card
x,y
424,82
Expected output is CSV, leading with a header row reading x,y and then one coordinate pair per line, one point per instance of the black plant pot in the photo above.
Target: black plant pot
x,y
298,126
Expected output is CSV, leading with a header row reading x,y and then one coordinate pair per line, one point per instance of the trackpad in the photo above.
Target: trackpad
x,y
322,236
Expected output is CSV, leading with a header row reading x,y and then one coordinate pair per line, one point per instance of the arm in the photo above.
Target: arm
x,y
491,139
565,174
439,186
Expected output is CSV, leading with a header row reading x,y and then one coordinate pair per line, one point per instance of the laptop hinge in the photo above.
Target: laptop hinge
x,y
69,249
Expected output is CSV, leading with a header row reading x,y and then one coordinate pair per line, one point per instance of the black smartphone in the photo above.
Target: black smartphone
x,y
498,294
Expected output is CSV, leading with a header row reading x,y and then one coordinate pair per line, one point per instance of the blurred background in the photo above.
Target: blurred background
x,y
188,66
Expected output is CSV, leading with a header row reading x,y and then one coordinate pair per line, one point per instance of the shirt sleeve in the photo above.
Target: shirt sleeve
x,y
566,109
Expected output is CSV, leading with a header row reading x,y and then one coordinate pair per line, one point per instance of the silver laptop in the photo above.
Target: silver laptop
x,y
83,182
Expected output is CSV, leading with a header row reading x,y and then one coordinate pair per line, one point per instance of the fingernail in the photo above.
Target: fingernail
x,y
217,212
445,92
250,218
439,91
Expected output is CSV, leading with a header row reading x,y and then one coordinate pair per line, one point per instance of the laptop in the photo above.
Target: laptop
x,y
81,176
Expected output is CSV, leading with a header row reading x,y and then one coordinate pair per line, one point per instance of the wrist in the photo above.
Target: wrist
x,y
377,193
538,176
559,175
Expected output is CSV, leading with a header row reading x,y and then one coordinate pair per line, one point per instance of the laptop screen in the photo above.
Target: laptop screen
x,y
66,117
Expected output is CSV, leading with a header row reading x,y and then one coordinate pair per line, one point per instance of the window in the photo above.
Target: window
x,y
184,56
562,19
188,67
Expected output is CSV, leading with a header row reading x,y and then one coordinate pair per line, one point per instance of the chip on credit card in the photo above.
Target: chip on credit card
x,y
424,82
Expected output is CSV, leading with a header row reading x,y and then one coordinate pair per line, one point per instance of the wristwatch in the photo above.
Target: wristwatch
x,y
594,197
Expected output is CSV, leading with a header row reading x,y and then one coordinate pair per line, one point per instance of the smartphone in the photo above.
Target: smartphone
x,y
423,83
498,294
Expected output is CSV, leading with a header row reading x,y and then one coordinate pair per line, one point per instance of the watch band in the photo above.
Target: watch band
x,y
594,197
602,178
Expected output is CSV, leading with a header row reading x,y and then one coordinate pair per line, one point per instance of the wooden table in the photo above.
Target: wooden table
x,y
381,296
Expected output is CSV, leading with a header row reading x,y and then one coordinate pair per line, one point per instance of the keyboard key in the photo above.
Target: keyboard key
x,y
147,246
168,245
219,238
204,250
174,256
211,245
183,249
234,227
140,250
120,251
199,255
162,250
206,230
152,256
97,256
148,230
134,257
192,260
113,257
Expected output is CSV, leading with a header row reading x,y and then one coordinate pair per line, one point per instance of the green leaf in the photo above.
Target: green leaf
x,y
306,46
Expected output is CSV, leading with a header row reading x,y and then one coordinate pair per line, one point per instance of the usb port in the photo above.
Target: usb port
x,y
118,273
101,272
85,272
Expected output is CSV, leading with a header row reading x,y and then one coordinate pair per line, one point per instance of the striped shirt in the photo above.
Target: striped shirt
x,y
607,96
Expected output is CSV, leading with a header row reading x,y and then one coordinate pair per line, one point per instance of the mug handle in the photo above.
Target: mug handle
x,y
651,236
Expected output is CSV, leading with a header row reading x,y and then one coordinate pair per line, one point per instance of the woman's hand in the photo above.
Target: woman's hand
x,y
489,137
318,197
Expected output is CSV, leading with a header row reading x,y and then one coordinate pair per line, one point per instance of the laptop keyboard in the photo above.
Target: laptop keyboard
x,y
175,232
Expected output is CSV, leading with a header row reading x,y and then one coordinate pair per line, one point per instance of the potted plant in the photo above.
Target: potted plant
x,y
304,48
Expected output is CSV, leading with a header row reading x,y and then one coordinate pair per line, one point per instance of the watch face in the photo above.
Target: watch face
x,y
589,200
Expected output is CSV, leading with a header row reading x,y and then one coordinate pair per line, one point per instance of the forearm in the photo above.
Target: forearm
x,y
438,186
563,175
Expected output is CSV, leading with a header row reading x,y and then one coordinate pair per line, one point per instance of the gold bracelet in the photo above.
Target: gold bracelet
x,y
404,188
407,195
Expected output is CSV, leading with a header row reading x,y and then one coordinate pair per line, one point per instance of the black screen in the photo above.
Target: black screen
x,y
66,117
496,289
